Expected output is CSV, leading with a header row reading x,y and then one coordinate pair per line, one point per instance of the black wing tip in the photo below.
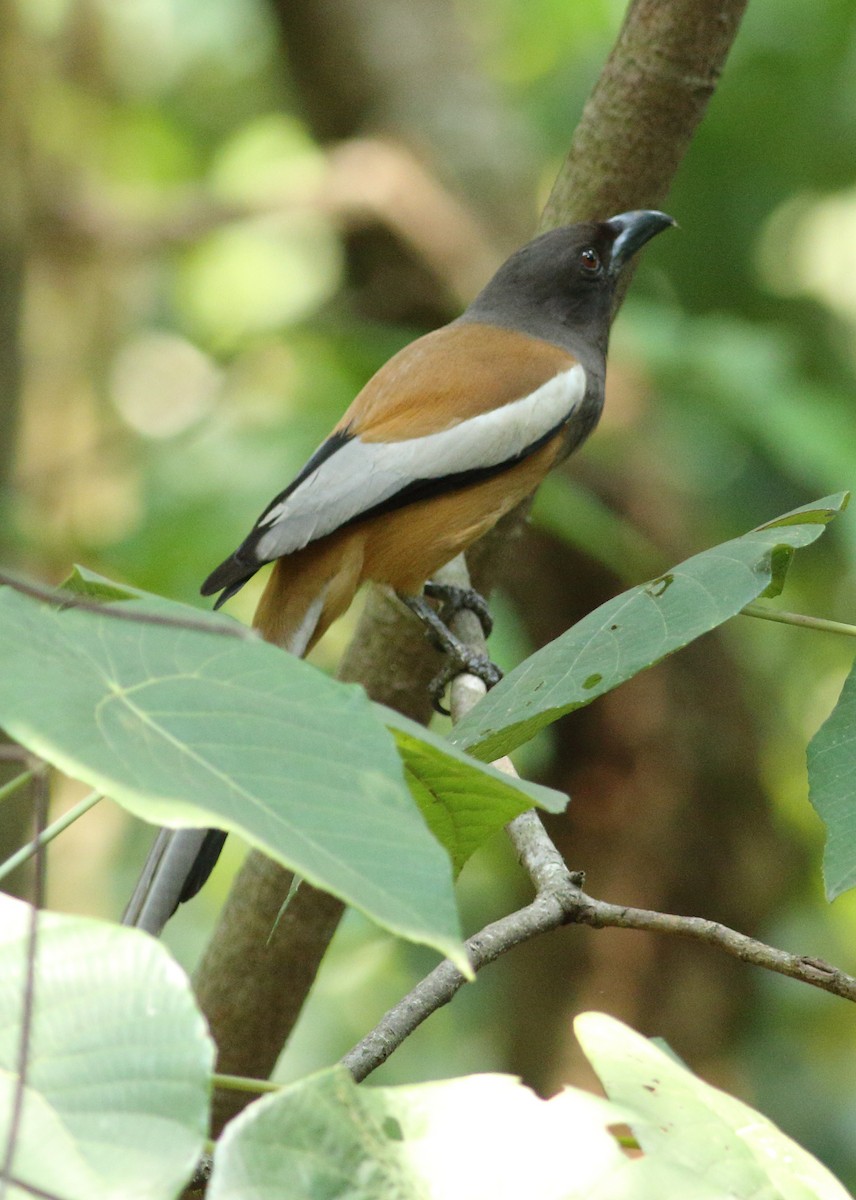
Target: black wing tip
x,y
228,579
241,566
203,865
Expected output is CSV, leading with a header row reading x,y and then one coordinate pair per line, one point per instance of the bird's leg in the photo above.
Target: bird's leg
x,y
456,599
460,656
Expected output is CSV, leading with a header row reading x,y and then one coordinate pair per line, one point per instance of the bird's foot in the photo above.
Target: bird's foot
x,y
456,599
460,657
471,662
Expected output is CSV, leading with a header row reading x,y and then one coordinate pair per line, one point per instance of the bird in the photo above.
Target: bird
x,y
452,433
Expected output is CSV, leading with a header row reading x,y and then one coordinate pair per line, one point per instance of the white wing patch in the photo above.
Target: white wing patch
x,y
364,474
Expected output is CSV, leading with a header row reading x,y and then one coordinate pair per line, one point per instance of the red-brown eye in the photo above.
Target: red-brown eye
x,y
590,260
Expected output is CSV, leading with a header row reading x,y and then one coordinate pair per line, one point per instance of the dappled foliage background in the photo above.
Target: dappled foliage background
x,y
218,219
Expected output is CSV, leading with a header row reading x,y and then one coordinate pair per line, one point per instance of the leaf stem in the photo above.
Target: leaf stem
x,y
124,611
802,619
242,1083
49,833
12,786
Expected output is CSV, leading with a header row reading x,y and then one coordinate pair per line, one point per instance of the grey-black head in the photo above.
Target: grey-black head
x,y
561,285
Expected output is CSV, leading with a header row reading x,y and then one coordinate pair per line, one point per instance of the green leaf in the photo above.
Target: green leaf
x,y
119,1063
485,1137
636,630
89,585
831,759
681,1121
463,801
92,586
187,728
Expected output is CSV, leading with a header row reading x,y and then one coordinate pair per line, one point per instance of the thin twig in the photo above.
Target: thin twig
x,y
49,833
557,888
535,849
437,989
550,910
120,611
601,915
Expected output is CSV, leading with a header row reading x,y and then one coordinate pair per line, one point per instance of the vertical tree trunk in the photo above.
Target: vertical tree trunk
x,y
645,107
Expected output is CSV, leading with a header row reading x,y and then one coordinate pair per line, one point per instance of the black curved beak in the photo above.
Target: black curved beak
x,y
633,230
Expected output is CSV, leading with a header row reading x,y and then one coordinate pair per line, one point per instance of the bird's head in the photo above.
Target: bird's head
x,y
567,276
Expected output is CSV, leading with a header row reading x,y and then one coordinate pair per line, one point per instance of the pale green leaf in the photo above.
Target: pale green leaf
x,y
119,1063
463,801
682,1121
187,728
832,789
636,630
485,1137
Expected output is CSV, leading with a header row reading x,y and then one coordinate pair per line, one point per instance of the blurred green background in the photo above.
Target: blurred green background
x,y
218,219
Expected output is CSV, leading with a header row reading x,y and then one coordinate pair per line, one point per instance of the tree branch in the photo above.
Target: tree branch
x,y
564,904
601,915
437,989
559,900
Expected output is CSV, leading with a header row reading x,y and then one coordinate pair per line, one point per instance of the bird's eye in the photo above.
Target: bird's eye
x,y
590,260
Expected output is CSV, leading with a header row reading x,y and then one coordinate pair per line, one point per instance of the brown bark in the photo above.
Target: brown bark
x,y
624,154
644,109
257,972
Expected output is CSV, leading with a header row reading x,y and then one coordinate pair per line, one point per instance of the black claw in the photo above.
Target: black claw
x,y
457,663
456,599
437,690
460,658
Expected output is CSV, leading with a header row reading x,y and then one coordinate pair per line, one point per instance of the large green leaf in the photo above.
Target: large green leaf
x,y
832,789
680,1120
190,728
486,1137
463,801
119,1064
480,1138
637,629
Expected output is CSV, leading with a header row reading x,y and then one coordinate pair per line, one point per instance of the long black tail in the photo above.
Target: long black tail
x,y
287,615
178,864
